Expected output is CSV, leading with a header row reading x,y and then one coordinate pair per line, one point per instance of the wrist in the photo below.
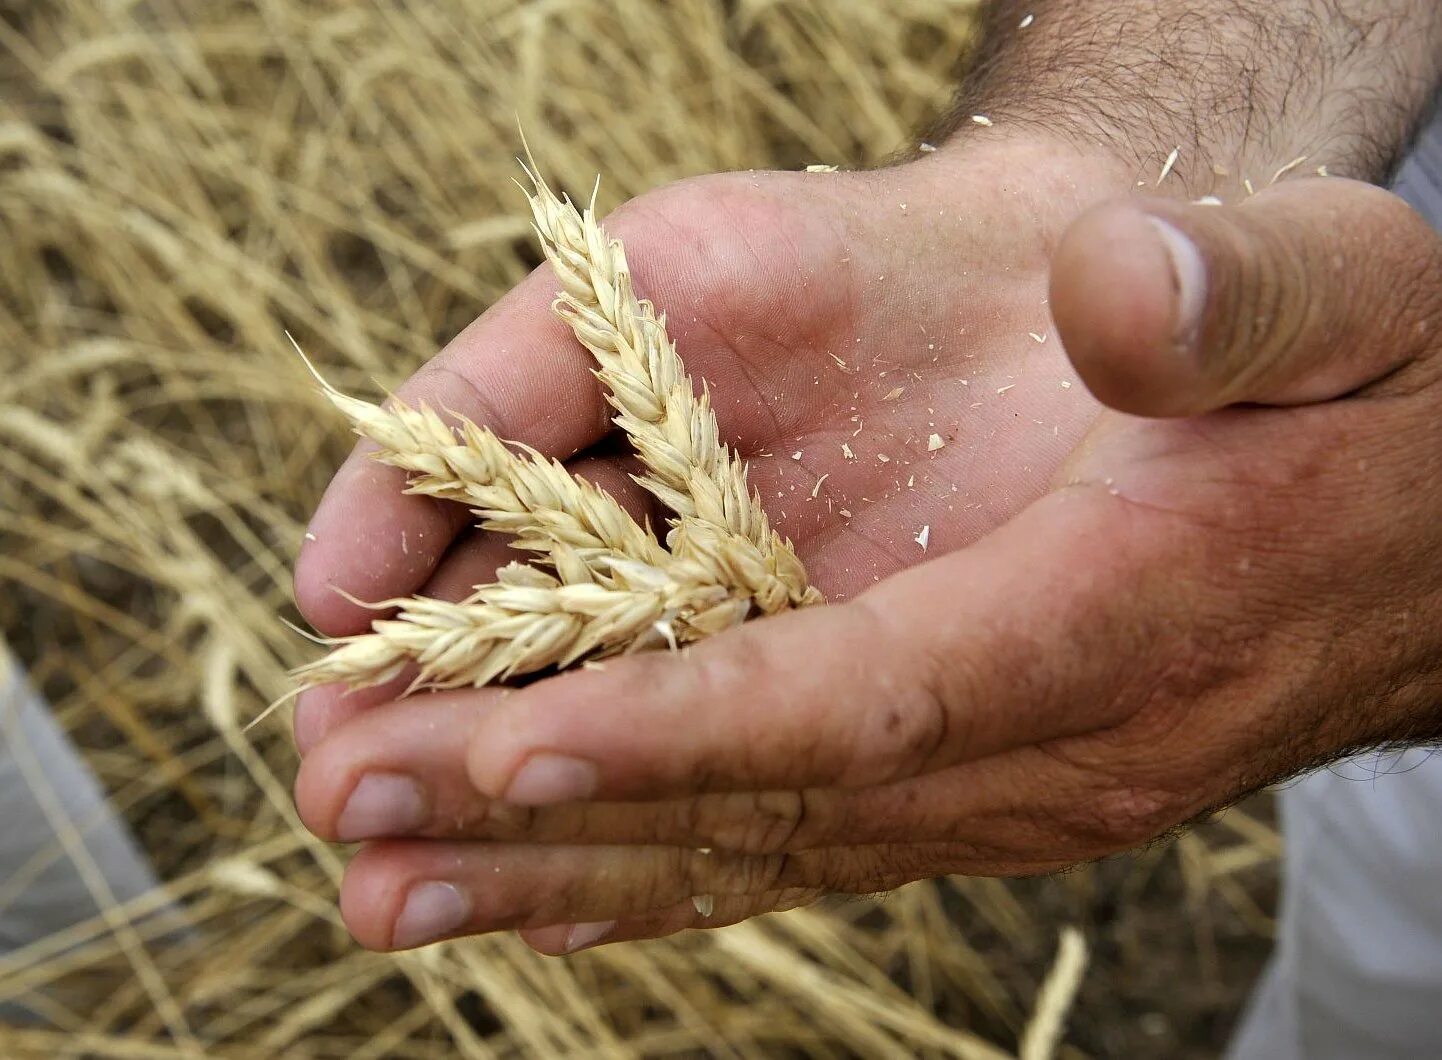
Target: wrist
x,y
1244,93
1022,150
1032,183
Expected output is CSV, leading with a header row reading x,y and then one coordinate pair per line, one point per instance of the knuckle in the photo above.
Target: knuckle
x,y
911,729
735,874
918,724
847,874
1408,231
713,675
1284,286
489,819
751,822
1412,294
1118,816
707,677
721,666
872,870
1263,306
696,819
673,878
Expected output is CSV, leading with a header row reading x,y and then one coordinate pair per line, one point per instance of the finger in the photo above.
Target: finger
x,y
320,711
987,649
402,894
397,895
557,940
1304,293
400,772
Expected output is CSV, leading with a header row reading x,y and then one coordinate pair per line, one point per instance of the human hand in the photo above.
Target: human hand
x,y
840,331
1195,607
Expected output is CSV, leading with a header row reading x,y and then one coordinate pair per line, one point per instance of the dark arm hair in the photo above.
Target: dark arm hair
x,y
1242,88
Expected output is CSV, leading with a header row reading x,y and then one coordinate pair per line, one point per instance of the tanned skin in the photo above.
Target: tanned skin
x,y
1185,535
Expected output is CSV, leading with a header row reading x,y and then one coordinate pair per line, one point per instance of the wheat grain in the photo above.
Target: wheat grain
x,y
543,504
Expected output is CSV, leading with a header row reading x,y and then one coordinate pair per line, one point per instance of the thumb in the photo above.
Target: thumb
x,y
1303,293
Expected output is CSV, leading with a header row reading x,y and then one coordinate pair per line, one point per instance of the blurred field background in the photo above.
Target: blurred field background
x,y
181,180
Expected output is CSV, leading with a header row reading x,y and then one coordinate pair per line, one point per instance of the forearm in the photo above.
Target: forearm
x,y
1240,88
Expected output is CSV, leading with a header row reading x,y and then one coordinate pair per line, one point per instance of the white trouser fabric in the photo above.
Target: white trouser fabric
x,y
1357,971
46,789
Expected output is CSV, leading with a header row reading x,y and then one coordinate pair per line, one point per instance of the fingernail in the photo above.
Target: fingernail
x,y
1189,276
382,804
583,935
432,911
546,779
309,725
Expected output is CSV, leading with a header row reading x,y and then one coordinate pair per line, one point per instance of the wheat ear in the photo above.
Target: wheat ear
x,y
524,494
527,495
528,621
673,431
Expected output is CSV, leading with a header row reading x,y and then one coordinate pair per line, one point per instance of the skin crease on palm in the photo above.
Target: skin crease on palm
x,y
1119,622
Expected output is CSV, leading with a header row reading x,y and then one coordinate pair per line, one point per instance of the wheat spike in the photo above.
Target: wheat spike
x,y
527,495
673,431
528,621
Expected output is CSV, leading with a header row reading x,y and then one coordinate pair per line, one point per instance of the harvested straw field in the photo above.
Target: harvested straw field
x,y
180,184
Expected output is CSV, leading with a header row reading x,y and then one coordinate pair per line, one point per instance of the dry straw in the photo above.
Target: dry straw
x,y
1058,992
614,588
